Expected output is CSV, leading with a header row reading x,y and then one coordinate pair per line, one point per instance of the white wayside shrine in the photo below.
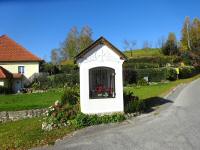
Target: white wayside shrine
x,y
101,81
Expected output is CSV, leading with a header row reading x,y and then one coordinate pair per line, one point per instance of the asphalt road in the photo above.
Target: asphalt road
x,y
177,127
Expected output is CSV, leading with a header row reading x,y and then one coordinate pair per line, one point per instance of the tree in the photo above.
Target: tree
x,y
195,34
76,42
129,45
170,47
160,42
49,68
186,31
85,38
70,45
146,45
55,58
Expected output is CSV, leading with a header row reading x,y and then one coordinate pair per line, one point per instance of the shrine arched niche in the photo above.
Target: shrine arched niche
x,y
101,82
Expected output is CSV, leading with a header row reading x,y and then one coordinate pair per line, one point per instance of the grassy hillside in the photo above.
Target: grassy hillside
x,y
143,52
151,56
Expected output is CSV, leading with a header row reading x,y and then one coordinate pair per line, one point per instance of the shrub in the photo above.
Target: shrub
x,y
171,74
129,76
49,68
140,65
69,68
153,74
58,115
43,81
197,68
142,82
187,72
133,103
4,90
72,79
70,96
83,120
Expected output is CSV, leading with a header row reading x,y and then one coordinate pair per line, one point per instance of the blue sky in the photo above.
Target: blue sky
x,y
41,25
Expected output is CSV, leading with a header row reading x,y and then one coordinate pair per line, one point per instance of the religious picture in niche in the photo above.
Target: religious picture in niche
x,y
101,82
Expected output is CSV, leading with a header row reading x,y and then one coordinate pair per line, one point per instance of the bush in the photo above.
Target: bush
x,y
83,120
142,82
129,76
4,90
156,74
153,74
49,68
197,68
70,96
43,81
58,115
171,74
133,103
69,68
140,65
187,72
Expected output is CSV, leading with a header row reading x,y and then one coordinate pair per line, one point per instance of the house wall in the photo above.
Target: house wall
x,y
29,67
1,82
100,56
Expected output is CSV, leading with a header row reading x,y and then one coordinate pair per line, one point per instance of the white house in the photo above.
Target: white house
x,y
101,81
17,64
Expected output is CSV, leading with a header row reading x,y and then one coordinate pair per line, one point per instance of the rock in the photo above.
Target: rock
x,y
17,115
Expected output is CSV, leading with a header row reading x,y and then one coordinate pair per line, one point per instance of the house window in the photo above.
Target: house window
x,y
101,82
21,69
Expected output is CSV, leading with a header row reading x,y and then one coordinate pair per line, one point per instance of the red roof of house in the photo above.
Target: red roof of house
x,y
5,74
10,51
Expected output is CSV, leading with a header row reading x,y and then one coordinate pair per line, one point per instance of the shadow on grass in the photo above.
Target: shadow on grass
x,y
153,102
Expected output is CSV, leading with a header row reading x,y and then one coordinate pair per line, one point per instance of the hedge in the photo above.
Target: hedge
x,y
188,71
153,74
140,65
158,74
55,81
5,90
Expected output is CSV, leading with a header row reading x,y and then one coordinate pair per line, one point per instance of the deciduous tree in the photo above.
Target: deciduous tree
x,y
85,38
186,31
55,58
171,46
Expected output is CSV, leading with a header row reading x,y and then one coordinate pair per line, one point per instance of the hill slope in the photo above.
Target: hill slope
x,y
143,53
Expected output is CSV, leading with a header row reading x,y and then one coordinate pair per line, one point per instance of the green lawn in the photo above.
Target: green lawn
x,y
29,101
27,133
157,90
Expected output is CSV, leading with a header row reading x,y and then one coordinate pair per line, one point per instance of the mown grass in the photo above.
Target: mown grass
x,y
143,52
27,133
29,101
157,90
